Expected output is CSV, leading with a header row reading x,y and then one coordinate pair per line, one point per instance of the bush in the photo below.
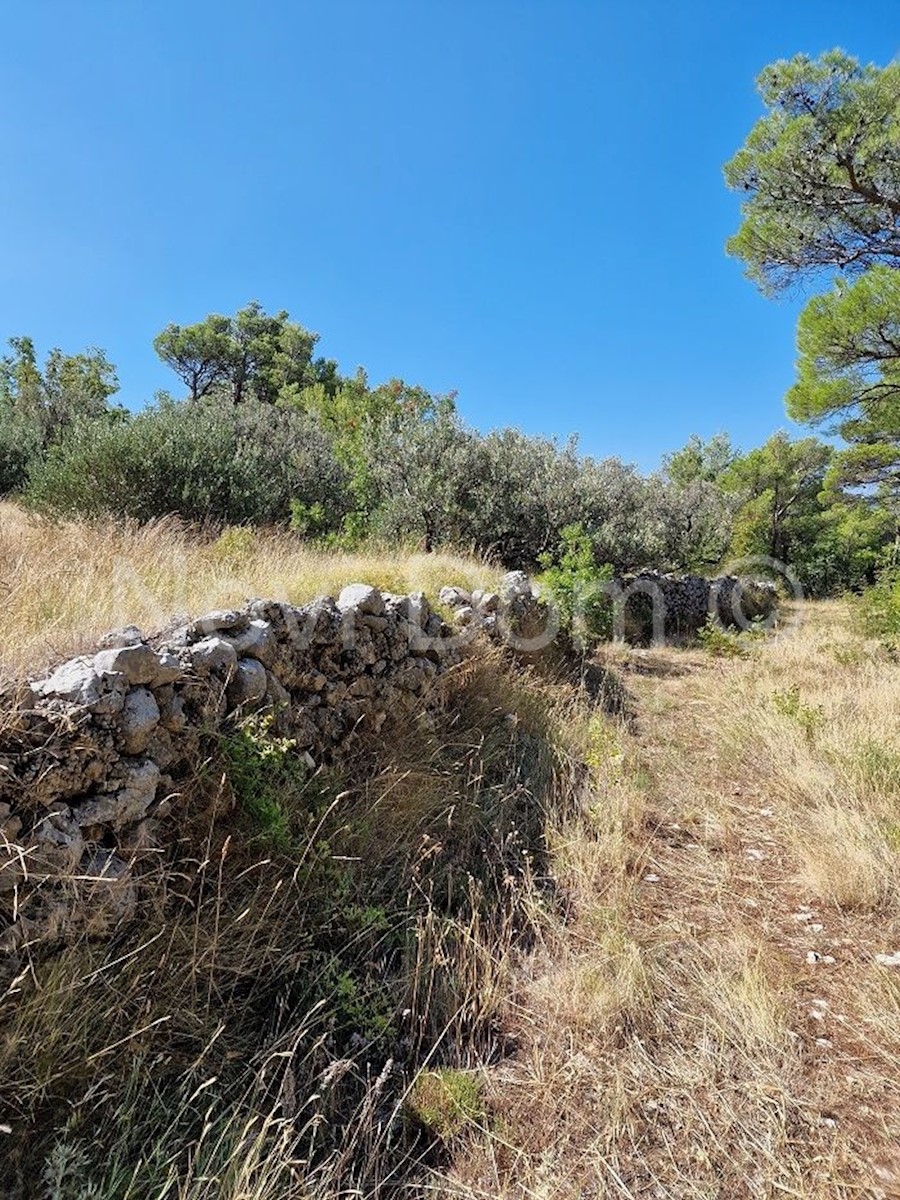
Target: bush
x,y
719,642
20,445
575,584
878,609
269,778
202,460
445,1102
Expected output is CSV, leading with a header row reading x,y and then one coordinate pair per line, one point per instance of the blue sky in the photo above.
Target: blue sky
x,y
521,200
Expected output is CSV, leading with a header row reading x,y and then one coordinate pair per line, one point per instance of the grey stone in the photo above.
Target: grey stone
x,y
128,804
171,710
213,655
454,597
256,641
55,845
378,624
139,664
363,598
231,620
79,681
129,635
138,719
248,684
364,686
277,694
161,749
515,585
168,670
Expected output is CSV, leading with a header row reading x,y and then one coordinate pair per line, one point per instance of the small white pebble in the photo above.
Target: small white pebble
x,y
816,1014
651,878
801,916
812,957
767,812
756,855
829,1122
829,959
816,928
888,960
823,1042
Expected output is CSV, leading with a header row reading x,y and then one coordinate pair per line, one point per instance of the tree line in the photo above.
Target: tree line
x,y
270,433
266,430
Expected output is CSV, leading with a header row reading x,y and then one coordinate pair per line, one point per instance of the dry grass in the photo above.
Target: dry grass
x,y
64,583
255,1033
649,949
710,1019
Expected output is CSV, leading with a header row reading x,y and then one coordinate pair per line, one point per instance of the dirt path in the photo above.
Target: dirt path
x,y
714,1020
721,867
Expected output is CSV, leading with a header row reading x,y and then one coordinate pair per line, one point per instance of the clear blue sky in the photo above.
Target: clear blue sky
x,y
521,200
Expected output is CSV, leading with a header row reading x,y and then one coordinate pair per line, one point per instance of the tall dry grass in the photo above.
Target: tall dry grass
x,y
273,1022
64,583
710,1018
617,958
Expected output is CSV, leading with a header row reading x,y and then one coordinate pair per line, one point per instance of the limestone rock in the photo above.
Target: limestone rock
x,y
129,635
81,682
171,709
363,598
126,805
454,597
515,585
55,845
138,663
213,655
248,684
256,641
229,620
138,719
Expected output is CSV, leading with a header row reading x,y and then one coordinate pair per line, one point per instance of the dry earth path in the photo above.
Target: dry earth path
x,y
719,1014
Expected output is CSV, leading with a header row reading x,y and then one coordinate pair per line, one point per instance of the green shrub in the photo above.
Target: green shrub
x,y
268,776
21,443
721,643
202,460
789,703
445,1101
575,584
878,609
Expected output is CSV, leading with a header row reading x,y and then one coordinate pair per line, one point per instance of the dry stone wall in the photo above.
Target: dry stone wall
x,y
93,757
645,606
